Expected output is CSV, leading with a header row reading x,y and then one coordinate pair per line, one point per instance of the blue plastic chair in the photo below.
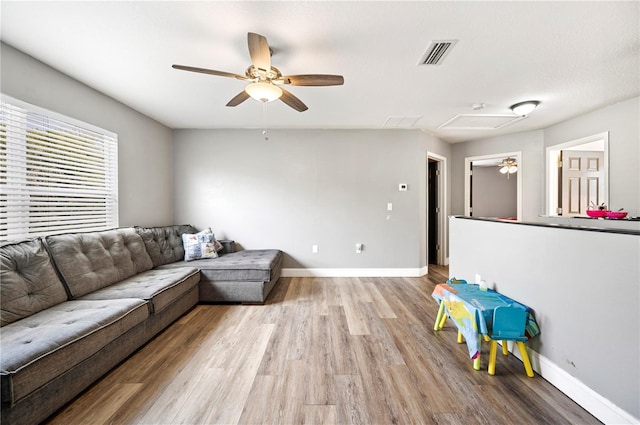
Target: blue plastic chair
x,y
509,325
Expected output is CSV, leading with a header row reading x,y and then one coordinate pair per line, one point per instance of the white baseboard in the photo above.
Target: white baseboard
x,y
591,401
348,272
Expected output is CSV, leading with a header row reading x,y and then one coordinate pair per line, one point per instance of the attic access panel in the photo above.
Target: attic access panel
x,y
480,121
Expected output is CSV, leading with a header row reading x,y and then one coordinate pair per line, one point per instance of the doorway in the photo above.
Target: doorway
x,y
436,244
434,207
586,189
474,162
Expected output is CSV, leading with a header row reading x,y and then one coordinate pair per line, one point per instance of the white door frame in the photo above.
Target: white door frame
x,y
467,178
443,234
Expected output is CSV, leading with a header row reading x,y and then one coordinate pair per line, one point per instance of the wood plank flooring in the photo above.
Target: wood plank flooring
x,y
321,351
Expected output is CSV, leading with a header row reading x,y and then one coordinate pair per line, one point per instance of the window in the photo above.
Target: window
x,y
57,174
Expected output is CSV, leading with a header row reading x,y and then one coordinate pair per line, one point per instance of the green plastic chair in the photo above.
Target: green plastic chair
x,y
509,325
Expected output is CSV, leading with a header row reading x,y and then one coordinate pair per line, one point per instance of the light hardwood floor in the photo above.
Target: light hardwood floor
x,y
321,351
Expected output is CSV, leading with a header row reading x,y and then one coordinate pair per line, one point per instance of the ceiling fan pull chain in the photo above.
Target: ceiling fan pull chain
x,y
264,121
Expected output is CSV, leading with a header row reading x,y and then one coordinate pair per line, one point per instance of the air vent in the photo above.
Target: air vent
x,y
436,52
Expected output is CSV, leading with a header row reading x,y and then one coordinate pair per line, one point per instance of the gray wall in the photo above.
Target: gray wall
x,y
144,145
585,299
305,187
621,120
494,195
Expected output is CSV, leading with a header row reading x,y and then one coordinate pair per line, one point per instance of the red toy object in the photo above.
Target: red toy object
x,y
598,213
616,214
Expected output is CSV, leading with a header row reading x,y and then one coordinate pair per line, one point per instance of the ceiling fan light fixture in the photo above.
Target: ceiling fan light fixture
x,y
508,166
524,108
263,91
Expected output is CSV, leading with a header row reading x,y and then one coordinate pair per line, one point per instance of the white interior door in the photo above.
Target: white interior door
x,y
582,181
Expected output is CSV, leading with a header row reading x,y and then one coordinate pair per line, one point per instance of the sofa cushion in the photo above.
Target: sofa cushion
x,y
164,244
42,346
217,245
159,287
93,260
257,265
29,282
199,245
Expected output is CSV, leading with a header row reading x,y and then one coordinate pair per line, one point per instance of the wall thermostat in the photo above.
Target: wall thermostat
x,y
402,187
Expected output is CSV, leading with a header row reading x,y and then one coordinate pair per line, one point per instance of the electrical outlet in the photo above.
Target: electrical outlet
x,y
358,248
314,249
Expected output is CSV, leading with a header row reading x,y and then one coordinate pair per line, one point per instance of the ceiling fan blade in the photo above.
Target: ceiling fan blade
x,y
293,101
238,99
314,80
209,71
259,51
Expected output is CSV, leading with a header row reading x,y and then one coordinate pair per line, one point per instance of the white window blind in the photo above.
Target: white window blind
x,y
57,174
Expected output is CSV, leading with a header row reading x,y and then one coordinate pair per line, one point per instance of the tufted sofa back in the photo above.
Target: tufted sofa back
x,y
29,281
164,244
90,261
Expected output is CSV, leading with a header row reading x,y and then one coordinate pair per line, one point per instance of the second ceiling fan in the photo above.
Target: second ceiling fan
x,y
266,80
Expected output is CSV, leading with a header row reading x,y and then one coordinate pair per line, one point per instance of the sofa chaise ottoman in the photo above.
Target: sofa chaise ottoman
x,y
246,276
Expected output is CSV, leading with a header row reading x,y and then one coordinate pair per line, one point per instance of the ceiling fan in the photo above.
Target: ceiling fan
x,y
266,80
508,166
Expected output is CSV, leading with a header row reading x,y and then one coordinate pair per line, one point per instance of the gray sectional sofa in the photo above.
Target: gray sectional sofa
x,y
73,306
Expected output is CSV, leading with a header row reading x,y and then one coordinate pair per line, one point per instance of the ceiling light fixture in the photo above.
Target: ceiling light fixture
x,y
263,91
508,166
524,108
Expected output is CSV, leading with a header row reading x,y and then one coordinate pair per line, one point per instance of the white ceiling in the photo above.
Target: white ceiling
x,y
574,57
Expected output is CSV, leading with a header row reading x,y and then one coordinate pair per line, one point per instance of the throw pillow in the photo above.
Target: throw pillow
x,y
199,245
218,246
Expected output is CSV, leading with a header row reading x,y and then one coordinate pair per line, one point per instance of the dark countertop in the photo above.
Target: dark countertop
x,y
592,225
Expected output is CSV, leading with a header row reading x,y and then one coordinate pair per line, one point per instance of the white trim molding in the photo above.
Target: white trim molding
x,y
349,272
594,403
